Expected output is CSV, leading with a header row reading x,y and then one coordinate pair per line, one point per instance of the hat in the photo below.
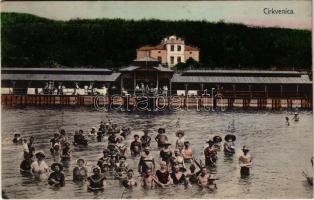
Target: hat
x,y
146,149
245,148
94,169
145,130
80,159
217,139
230,137
40,155
93,128
122,157
210,141
136,135
119,137
166,144
179,132
182,169
130,170
53,166
17,135
186,142
62,131
161,130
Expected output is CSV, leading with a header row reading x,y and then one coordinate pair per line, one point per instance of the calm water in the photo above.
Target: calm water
x,y
280,152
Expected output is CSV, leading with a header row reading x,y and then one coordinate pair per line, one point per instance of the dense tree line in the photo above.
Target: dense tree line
x,y
31,41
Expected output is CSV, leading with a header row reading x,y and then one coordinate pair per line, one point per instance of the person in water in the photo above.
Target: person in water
x,y
147,162
296,117
17,139
63,138
245,161
166,153
180,141
120,145
79,138
145,139
287,121
217,141
178,176
25,165
55,143
229,145
210,154
39,167
96,180
148,180
104,162
56,178
112,138
202,179
30,145
66,152
177,159
187,152
80,171
130,181
121,168
163,175
192,175
136,146
161,137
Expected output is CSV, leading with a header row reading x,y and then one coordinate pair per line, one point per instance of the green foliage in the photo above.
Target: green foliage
x,y
189,64
30,41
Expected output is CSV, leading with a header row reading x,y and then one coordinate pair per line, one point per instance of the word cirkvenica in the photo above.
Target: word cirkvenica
x,y
272,11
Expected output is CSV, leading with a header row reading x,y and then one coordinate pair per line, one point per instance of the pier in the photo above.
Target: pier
x,y
173,102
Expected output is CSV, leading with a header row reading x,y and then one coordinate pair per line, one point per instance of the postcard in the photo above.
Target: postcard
x,y
156,99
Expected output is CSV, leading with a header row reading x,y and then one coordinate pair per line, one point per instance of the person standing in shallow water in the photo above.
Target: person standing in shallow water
x,y
56,178
80,172
96,181
210,154
245,162
39,167
145,139
163,175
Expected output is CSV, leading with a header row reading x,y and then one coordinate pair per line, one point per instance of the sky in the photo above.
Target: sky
x,y
245,12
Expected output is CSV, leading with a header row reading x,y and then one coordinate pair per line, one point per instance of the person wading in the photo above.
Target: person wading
x,y
245,161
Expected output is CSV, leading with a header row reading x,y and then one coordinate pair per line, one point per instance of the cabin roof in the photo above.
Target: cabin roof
x,y
304,79
133,68
58,69
60,77
209,71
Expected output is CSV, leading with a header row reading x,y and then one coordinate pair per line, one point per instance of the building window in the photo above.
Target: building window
x,y
179,47
178,59
159,51
171,59
190,52
172,48
159,58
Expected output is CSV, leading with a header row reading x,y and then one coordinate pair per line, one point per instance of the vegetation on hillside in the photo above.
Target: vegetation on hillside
x,y
31,41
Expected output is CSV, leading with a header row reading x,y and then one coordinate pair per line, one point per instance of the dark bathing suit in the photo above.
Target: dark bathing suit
x,y
163,177
57,176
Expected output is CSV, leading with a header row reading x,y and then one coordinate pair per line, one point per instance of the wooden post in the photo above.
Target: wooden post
x,y
186,89
234,90
121,84
281,91
170,87
134,81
